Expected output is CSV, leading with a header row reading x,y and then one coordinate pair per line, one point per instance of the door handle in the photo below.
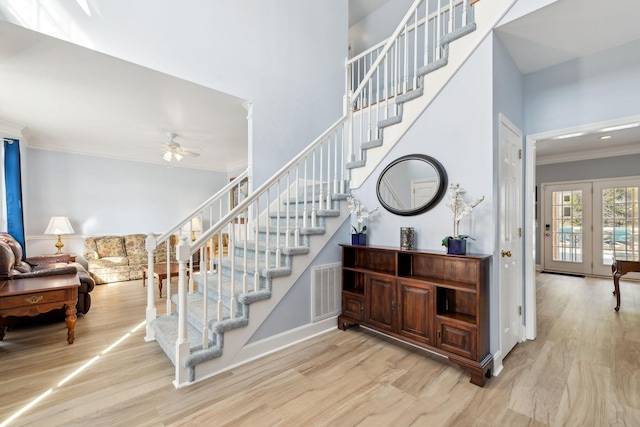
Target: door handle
x,y
506,253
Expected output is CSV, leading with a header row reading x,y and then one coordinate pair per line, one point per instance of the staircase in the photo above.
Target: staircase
x,y
277,230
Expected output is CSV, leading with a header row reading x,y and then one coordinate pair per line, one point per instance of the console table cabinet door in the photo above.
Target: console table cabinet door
x,y
457,338
353,306
415,311
380,306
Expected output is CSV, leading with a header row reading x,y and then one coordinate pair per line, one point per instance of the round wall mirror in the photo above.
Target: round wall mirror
x,y
411,184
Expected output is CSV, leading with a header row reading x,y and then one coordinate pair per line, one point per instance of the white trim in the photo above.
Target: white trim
x,y
530,321
273,344
588,128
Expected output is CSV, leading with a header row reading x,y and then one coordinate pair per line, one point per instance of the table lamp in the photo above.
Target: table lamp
x,y
59,225
196,227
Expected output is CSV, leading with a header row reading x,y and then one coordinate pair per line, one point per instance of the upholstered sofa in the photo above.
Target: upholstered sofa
x,y
121,258
13,266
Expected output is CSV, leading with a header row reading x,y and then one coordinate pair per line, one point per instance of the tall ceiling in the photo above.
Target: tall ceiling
x,y
566,30
64,97
68,98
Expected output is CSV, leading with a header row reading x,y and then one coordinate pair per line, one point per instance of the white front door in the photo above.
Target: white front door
x,y
567,225
510,232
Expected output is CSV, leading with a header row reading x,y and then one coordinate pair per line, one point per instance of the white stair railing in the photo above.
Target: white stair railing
x,y
379,77
161,249
286,210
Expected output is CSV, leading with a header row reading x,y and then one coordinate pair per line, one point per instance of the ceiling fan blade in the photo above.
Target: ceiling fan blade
x,y
187,152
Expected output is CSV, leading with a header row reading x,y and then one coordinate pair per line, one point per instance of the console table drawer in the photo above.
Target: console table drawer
x,y
33,299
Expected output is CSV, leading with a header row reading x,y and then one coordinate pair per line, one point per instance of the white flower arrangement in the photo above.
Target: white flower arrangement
x,y
361,213
460,208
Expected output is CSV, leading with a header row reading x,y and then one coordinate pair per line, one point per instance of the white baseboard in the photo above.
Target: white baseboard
x,y
264,347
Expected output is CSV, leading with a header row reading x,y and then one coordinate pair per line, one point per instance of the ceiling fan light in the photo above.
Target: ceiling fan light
x,y
167,156
178,156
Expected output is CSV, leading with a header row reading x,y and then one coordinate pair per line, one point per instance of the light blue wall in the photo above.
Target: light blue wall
x,y
456,129
294,310
599,87
107,196
508,96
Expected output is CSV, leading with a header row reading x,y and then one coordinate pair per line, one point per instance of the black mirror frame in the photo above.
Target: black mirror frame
x,y
442,174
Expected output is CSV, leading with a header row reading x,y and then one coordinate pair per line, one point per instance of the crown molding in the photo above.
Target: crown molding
x,y
11,129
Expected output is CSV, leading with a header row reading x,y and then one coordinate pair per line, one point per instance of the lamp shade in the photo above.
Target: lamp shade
x,y
59,225
196,224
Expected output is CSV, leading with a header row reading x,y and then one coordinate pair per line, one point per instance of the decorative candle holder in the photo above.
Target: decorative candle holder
x,y
407,238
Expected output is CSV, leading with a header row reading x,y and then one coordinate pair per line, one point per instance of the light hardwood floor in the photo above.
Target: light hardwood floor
x,y
582,370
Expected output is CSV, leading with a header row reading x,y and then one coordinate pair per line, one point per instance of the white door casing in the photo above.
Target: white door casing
x,y
510,235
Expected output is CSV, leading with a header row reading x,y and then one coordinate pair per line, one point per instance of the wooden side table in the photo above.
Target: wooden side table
x,y
35,295
619,268
160,272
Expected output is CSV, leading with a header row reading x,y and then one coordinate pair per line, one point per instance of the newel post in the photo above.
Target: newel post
x,y
151,305
183,254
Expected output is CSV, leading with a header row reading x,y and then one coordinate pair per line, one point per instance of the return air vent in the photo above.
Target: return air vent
x,y
325,291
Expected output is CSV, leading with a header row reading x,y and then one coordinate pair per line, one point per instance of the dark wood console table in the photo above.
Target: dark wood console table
x,y
35,295
432,300
619,268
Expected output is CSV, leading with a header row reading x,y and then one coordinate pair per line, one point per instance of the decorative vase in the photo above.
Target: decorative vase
x,y
457,246
359,239
407,238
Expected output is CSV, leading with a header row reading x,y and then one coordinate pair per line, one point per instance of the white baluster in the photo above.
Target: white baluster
x,y
287,237
451,15
150,246
219,275
232,245
438,50
267,238
313,188
326,184
335,166
256,244
296,239
205,297
320,170
305,212
278,207
245,264
415,49
464,13
405,78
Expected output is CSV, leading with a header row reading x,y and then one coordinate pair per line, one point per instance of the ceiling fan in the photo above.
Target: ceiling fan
x,y
172,150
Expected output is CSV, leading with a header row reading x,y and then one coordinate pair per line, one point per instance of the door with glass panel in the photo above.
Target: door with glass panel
x,y
616,215
566,227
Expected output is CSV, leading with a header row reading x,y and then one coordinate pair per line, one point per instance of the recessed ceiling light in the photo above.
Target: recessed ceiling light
x,y
606,137
627,126
569,135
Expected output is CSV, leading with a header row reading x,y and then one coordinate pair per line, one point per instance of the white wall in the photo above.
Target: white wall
x,y
377,26
107,196
286,56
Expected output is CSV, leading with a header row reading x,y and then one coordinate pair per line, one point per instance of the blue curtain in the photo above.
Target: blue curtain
x,y
13,186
